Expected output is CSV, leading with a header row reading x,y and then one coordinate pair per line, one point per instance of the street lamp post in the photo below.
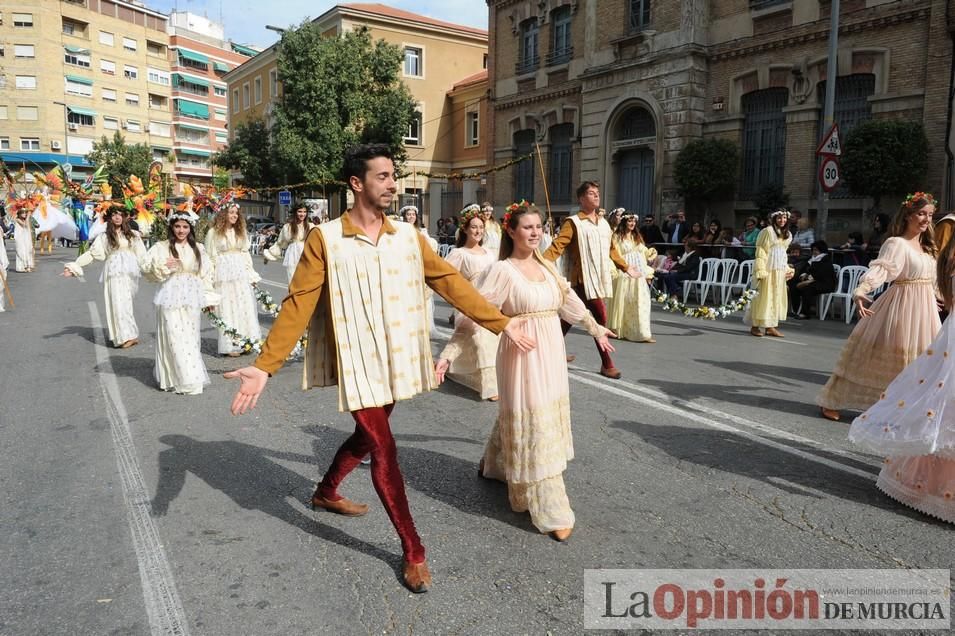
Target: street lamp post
x,y
832,70
66,126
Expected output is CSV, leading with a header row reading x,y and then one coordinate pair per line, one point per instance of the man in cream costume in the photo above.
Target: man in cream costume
x,y
360,289
592,255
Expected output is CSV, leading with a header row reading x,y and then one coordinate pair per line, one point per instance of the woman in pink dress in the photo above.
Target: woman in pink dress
x,y
913,423
473,360
901,322
531,442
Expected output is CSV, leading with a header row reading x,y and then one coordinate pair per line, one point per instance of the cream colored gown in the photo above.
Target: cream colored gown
x,y
23,239
771,304
628,312
492,237
473,363
179,302
293,246
531,442
4,265
234,277
120,280
904,322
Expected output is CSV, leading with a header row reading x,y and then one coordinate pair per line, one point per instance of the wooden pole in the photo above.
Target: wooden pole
x,y
540,162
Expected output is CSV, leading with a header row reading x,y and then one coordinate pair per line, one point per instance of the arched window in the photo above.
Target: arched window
x,y
524,171
637,123
528,54
764,139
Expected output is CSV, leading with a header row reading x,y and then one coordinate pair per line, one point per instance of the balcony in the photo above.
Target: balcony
x,y
527,65
560,56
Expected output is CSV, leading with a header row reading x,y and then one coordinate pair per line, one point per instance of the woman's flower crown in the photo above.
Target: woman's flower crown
x,y
470,212
780,212
515,207
910,200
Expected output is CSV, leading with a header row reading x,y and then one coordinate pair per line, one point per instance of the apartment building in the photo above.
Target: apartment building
x,y
199,58
612,90
75,70
437,55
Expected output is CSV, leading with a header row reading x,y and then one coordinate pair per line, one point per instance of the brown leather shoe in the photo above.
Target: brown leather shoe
x,y
417,577
129,343
571,358
756,332
561,535
772,331
342,506
830,414
613,373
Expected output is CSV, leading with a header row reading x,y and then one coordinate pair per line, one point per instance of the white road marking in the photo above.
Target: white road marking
x,y
661,401
163,607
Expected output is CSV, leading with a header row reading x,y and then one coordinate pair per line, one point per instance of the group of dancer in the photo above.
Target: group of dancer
x,y
515,289
897,364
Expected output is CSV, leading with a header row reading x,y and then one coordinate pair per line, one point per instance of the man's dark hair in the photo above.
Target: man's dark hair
x,y
357,157
586,185
820,245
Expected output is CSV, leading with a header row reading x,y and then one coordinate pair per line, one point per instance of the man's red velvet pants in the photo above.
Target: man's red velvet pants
x,y
373,435
599,310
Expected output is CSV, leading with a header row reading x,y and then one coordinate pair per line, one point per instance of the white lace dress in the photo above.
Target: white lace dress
x,y
23,239
292,243
179,301
234,277
120,279
473,361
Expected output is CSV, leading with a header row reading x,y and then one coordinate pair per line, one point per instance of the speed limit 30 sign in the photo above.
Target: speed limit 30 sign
x,y
829,173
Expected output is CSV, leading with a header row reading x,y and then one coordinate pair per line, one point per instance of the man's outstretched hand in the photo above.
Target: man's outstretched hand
x,y
251,384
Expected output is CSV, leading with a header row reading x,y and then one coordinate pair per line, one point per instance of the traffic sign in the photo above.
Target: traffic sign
x,y
831,143
285,197
829,174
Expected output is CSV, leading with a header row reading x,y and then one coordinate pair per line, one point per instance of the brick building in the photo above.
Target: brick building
x,y
612,90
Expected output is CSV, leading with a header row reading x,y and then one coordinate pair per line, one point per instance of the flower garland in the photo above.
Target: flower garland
x,y
706,313
918,196
512,208
245,343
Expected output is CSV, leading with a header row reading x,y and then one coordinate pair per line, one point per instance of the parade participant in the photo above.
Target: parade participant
x,y
227,248
375,358
531,441
586,237
124,252
409,214
911,424
473,359
23,240
900,324
291,239
4,265
628,311
492,229
771,271
181,266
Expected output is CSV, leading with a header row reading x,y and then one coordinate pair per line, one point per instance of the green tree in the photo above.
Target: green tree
x,y
770,198
337,91
220,179
250,152
885,157
707,170
121,160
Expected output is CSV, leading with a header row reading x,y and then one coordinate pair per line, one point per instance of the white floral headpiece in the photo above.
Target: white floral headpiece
x,y
189,217
620,211
407,208
780,212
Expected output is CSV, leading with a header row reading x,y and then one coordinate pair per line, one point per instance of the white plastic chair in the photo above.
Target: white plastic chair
x,y
848,281
255,244
704,278
723,278
444,250
743,280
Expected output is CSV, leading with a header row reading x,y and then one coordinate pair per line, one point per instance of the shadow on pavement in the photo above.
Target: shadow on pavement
x,y
248,475
735,454
736,394
86,333
139,369
771,372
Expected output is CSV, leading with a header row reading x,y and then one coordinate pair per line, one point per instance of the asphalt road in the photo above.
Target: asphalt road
x,y
126,510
